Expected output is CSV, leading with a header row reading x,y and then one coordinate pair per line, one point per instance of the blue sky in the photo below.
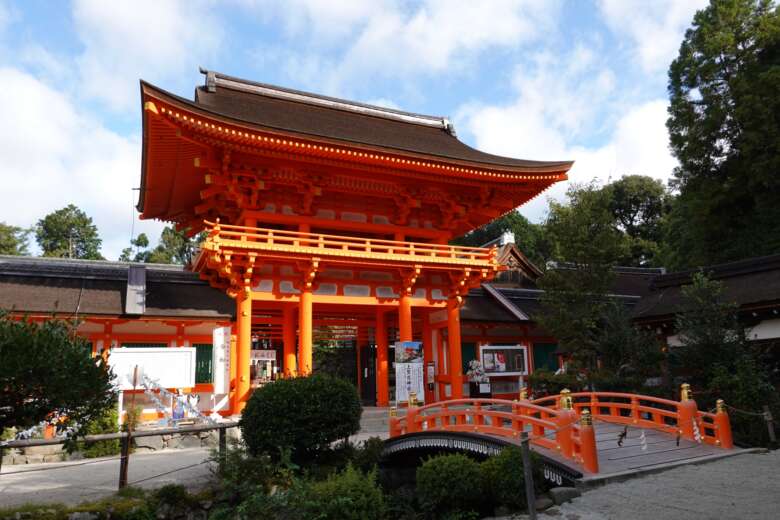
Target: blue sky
x,y
537,79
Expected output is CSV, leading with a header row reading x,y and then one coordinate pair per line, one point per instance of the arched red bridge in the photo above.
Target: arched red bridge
x,y
595,433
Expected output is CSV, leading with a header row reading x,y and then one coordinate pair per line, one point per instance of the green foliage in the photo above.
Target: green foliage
x,y
68,233
725,132
13,240
709,330
717,359
47,370
350,495
368,454
242,475
625,350
528,236
746,388
174,247
588,244
543,382
448,484
305,415
638,204
503,478
105,423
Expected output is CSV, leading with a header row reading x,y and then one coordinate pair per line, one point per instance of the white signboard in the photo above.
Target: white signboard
x,y
221,362
409,378
170,367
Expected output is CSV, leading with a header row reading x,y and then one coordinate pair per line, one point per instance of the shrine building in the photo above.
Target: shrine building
x,y
326,214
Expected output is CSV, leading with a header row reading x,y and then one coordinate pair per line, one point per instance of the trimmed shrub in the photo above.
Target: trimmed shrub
x,y
503,479
448,485
305,415
350,495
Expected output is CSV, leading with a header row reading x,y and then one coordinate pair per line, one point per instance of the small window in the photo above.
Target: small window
x,y
203,363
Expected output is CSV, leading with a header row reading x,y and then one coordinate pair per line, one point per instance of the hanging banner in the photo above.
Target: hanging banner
x,y
409,371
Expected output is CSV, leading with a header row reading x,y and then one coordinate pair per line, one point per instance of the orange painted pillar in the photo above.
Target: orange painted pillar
x,y
588,448
723,425
453,348
288,337
687,413
427,355
243,348
305,333
405,317
382,381
233,369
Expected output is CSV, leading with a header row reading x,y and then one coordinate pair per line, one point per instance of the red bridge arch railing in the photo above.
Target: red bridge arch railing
x,y
674,417
564,423
558,430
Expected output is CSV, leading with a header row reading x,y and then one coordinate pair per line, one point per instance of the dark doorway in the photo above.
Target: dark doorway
x,y
368,375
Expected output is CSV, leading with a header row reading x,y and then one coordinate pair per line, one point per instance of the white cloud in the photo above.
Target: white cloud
x,y
394,39
156,40
554,115
655,28
54,155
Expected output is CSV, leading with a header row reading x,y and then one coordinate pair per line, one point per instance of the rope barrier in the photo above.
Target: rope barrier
x,y
745,412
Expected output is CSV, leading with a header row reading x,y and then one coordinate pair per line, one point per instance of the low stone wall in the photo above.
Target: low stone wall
x,y
41,454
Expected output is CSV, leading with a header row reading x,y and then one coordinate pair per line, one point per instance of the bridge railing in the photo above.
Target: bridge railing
x,y
554,429
674,417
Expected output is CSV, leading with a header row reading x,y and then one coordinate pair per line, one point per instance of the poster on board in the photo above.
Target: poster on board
x,y
409,372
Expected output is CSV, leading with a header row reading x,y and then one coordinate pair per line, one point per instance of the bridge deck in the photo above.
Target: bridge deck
x,y
623,461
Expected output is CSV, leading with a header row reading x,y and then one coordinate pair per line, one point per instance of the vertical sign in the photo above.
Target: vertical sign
x,y
221,353
408,370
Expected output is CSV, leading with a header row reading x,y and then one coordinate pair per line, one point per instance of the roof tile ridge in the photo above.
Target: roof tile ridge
x,y
215,79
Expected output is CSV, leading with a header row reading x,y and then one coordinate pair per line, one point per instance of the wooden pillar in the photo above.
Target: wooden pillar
x,y
427,356
243,348
382,381
288,337
305,333
405,316
453,348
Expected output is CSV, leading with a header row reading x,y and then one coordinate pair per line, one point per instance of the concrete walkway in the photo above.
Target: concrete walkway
x,y
74,482
740,487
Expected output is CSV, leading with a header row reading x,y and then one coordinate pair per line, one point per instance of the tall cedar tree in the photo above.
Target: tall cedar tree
x,y
47,371
68,233
724,126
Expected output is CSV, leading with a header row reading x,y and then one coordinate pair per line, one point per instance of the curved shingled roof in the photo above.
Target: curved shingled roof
x,y
288,110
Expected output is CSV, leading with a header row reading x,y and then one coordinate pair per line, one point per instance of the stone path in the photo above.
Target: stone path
x,y
744,487
74,482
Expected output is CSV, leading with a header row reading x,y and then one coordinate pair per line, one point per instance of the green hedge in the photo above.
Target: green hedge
x,y
304,415
449,485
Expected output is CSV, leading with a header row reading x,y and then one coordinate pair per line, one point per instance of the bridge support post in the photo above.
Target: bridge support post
x,y
687,413
395,426
411,417
723,425
566,417
588,451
